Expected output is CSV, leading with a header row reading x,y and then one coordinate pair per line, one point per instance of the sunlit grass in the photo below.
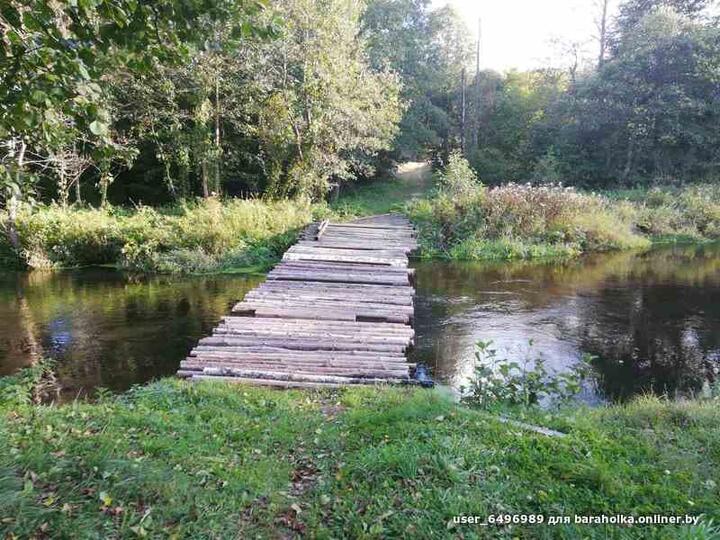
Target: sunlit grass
x,y
206,236
387,195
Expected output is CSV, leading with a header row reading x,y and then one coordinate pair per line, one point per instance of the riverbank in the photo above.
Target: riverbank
x,y
457,218
465,220
182,460
460,219
209,236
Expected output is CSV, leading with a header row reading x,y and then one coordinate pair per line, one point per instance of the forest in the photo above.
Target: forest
x,y
130,103
119,118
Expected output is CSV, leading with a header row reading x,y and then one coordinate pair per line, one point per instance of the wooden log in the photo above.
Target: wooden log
x,y
255,344
320,289
343,266
232,361
333,304
322,314
311,333
243,322
380,261
401,302
316,247
295,377
338,277
340,358
398,364
317,341
357,371
288,354
315,327
300,334
305,343
259,326
356,245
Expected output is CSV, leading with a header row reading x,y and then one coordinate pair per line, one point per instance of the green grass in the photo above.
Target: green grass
x,y
551,222
201,237
182,460
384,196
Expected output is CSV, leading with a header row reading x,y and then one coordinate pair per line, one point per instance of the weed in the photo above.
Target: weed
x,y
507,382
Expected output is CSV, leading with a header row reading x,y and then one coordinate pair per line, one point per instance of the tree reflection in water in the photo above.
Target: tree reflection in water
x,y
106,328
652,318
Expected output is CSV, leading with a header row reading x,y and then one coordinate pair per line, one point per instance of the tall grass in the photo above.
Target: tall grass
x,y
192,237
465,220
692,212
522,221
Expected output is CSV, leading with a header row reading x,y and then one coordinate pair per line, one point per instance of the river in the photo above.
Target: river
x,y
651,319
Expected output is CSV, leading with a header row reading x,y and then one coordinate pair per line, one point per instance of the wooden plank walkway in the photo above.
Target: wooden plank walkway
x,y
337,310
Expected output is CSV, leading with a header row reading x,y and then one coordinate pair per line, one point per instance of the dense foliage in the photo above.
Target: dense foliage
x,y
649,113
428,49
190,237
466,220
191,97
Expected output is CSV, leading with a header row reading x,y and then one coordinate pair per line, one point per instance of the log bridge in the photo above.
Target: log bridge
x,y
337,310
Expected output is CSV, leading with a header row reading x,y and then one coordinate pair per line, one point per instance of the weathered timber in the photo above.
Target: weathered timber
x,y
336,311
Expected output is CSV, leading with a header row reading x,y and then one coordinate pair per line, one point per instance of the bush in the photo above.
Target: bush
x,y
458,180
527,383
692,212
199,237
523,221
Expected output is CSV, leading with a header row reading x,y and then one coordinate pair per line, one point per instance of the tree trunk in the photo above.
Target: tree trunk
x,y
78,194
478,103
14,202
628,160
218,151
462,111
104,184
204,178
602,27
63,185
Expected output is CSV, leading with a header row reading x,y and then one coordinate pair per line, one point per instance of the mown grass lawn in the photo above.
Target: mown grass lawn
x,y
182,460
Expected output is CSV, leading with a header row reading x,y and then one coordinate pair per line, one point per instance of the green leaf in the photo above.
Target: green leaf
x,y
98,128
83,72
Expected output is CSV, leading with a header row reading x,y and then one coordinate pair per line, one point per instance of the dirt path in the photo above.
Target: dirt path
x,y
418,177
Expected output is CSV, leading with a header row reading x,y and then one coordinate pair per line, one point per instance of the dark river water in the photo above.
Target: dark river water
x,y
108,329
652,319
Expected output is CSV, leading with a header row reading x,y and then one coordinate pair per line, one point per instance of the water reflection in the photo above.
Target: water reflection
x,y
652,318
106,328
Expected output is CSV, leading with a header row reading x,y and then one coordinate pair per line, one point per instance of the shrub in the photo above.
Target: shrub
x,y
523,221
527,382
195,237
458,180
692,212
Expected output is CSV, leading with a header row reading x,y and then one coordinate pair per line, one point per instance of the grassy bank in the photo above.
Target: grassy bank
x,y
208,236
460,219
464,220
182,460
